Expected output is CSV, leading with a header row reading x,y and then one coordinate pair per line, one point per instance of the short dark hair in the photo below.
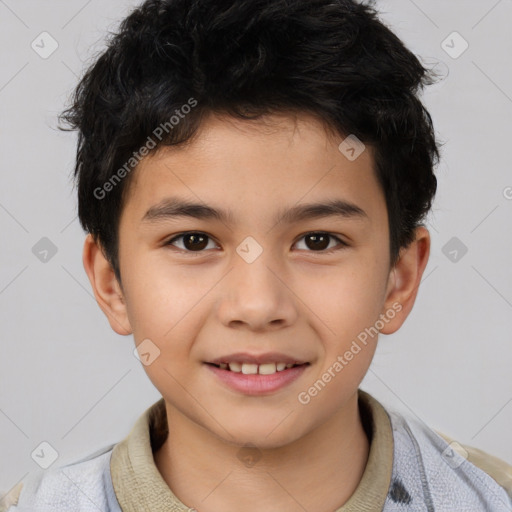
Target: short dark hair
x,y
331,58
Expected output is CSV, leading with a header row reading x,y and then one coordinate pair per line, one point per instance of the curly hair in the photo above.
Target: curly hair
x,y
331,58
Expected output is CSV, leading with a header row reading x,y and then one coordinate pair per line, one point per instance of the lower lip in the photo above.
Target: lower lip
x,y
257,384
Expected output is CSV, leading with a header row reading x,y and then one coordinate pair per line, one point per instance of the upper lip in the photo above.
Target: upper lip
x,y
267,357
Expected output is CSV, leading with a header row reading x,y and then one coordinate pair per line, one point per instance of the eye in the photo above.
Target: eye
x,y
194,241
319,242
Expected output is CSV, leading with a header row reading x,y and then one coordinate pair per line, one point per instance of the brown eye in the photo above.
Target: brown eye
x,y
319,242
195,242
191,242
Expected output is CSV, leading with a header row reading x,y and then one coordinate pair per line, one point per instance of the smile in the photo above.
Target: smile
x,y
257,379
253,369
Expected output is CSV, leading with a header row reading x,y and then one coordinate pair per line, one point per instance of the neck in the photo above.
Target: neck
x,y
319,471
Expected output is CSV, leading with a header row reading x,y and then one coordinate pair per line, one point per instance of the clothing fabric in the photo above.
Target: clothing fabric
x,y
410,468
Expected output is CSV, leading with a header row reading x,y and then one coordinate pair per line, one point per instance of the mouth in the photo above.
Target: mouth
x,y
261,374
256,369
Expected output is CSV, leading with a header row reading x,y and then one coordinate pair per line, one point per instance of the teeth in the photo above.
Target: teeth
x,y
267,369
249,369
253,369
235,367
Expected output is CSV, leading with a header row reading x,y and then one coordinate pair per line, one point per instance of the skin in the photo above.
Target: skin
x,y
294,298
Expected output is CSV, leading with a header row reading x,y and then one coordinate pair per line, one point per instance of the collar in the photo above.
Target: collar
x,y
139,486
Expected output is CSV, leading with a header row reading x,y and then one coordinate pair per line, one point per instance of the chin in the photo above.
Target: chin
x,y
264,435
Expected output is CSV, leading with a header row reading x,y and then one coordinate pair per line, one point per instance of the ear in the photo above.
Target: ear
x,y
107,290
404,280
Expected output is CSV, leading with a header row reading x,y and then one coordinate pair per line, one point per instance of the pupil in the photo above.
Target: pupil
x,y
323,239
198,241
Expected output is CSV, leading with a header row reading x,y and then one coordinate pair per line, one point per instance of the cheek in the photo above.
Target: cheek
x,y
162,317
166,306
158,296
350,310
350,298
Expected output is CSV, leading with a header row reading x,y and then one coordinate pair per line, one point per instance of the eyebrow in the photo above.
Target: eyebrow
x,y
173,207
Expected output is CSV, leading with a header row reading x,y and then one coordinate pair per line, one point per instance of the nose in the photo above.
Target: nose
x,y
256,296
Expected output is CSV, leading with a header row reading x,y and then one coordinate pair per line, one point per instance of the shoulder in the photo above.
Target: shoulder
x,y
11,497
499,470
436,470
84,485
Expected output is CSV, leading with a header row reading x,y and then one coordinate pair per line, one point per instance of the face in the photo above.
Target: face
x,y
266,279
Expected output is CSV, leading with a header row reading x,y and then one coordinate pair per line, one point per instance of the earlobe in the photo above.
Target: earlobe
x,y
106,288
404,280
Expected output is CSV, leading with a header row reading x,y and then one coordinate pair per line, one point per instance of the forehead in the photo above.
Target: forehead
x,y
257,165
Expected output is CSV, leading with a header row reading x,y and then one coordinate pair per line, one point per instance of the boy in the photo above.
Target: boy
x,y
219,143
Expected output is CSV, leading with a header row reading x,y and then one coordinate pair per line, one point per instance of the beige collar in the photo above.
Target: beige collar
x,y
139,486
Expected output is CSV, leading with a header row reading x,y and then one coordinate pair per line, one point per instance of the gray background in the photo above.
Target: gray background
x,y
67,379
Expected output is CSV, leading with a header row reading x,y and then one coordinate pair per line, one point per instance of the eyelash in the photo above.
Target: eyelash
x,y
341,244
